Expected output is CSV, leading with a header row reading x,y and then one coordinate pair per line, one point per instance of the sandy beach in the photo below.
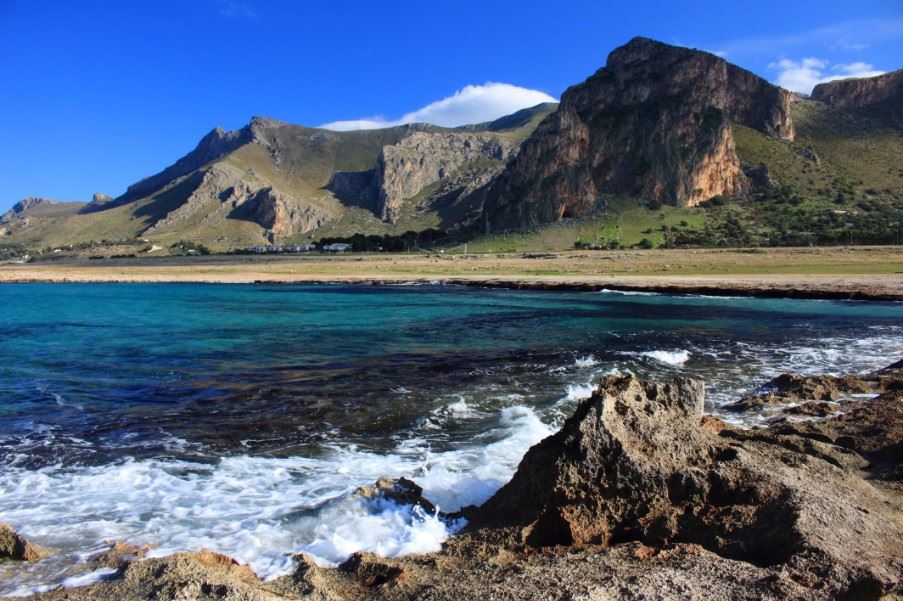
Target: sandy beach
x,y
873,273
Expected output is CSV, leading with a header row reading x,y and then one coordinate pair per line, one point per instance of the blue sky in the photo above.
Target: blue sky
x,y
96,95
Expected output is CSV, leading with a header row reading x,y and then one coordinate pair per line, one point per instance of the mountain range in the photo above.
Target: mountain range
x,y
658,128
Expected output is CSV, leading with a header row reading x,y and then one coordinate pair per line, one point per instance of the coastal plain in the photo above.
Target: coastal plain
x,y
874,273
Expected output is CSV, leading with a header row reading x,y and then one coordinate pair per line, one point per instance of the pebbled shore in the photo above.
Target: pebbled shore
x,y
639,495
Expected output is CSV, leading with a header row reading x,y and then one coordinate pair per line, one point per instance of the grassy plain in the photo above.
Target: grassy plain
x,y
865,272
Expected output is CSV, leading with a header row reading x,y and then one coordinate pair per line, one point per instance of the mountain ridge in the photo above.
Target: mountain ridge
x,y
657,125
654,122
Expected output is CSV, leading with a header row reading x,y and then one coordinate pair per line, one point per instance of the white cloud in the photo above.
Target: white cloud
x,y
857,69
803,75
845,44
470,104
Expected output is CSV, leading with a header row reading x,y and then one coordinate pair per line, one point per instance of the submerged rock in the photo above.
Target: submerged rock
x,y
14,546
398,490
797,388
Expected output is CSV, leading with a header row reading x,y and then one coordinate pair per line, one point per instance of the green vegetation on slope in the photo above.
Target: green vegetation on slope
x,y
839,182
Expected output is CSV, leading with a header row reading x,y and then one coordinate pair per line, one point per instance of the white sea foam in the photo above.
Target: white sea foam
x,y
628,292
261,510
380,527
460,408
586,361
89,578
740,367
675,358
578,392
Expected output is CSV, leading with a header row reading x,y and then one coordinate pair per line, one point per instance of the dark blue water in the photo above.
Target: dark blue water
x,y
120,364
178,387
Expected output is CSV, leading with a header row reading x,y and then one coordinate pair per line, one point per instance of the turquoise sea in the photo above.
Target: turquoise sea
x,y
241,418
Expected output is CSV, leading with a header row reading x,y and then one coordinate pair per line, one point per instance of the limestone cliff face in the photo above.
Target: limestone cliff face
x,y
281,214
223,191
422,159
857,93
653,123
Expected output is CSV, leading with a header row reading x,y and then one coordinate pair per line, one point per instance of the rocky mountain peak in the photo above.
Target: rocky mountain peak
x,y
214,145
259,126
654,123
30,202
24,206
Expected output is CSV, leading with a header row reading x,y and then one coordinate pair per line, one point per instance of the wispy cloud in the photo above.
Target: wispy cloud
x,y
234,9
803,75
846,35
845,44
470,104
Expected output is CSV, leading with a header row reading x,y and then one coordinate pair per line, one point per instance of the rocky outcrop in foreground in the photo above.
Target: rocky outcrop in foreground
x,y
860,92
16,547
639,495
654,123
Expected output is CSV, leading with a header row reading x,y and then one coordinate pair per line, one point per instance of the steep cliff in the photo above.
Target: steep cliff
x,y
422,159
223,191
858,93
272,180
655,123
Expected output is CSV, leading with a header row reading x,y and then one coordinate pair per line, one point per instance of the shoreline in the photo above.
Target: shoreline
x,y
509,548
885,288
860,273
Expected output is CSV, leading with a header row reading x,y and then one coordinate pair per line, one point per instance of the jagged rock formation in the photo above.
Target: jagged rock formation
x,y
24,206
14,546
653,123
279,213
223,191
214,145
398,490
422,159
797,388
860,92
271,180
639,462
